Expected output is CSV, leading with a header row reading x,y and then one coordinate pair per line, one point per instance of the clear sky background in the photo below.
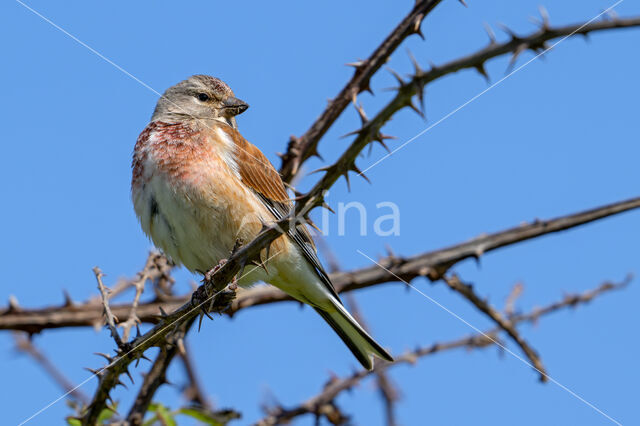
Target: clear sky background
x,y
557,137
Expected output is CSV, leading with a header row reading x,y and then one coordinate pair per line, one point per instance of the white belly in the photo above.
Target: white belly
x,y
193,231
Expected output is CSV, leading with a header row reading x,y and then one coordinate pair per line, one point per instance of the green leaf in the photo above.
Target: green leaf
x,y
165,416
213,418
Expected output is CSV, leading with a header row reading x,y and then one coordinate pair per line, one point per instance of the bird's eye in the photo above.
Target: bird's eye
x,y
203,97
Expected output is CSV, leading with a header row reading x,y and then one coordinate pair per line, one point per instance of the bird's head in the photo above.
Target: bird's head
x,y
199,97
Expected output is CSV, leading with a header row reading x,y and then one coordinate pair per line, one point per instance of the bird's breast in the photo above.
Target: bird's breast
x,y
190,200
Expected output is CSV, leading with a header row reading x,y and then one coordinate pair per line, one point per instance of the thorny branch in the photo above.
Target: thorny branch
x,y
370,130
218,294
110,319
432,264
24,344
388,391
193,390
302,148
466,290
109,376
314,405
157,375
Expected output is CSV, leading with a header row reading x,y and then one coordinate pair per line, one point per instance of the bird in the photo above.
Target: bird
x,y
198,187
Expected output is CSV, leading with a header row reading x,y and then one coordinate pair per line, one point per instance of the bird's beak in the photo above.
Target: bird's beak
x,y
233,106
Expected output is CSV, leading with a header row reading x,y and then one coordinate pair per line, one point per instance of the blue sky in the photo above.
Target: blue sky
x,y
559,136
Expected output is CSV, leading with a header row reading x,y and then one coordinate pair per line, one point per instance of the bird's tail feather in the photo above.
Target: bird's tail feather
x,y
353,335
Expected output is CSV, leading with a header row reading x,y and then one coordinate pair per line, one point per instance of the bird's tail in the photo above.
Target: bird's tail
x,y
353,335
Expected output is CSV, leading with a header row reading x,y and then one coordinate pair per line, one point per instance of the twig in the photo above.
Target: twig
x,y
110,319
217,301
194,391
510,304
388,390
300,149
432,264
157,269
466,290
370,131
157,376
281,415
24,344
133,320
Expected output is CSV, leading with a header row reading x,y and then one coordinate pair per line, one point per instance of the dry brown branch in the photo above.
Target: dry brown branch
x,y
157,375
466,290
370,131
432,264
110,319
302,148
388,391
510,304
24,344
157,269
133,320
216,301
193,391
333,388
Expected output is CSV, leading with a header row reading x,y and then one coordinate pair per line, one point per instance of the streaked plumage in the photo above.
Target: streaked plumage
x,y
198,186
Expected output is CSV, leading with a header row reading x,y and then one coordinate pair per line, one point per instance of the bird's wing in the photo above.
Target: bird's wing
x,y
259,174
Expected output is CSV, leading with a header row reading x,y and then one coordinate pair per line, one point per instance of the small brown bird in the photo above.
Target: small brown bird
x,y
198,187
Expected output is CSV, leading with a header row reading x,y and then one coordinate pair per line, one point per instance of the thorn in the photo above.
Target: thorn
x,y
92,371
162,312
462,2
480,68
521,48
146,358
357,64
413,107
355,132
397,76
129,375
314,226
138,331
383,136
545,17
490,33
509,31
119,382
327,206
346,178
420,94
204,311
416,26
321,169
365,86
314,153
380,139
67,299
200,322
13,304
416,66
105,356
363,116
359,172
